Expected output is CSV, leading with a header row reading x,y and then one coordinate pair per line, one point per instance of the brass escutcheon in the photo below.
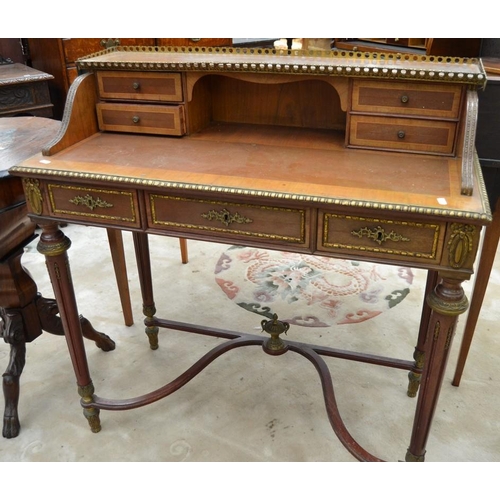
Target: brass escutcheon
x,y
379,235
226,217
90,202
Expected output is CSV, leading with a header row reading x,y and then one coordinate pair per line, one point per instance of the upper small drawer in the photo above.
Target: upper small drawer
x,y
141,118
440,101
402,134
140,86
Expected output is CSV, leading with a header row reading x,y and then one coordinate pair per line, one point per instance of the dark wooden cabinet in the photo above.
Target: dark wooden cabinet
x,y
488,125
24,91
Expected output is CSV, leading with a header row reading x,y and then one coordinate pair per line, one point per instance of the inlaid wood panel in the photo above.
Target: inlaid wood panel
x,y
401,239
77,202
230,220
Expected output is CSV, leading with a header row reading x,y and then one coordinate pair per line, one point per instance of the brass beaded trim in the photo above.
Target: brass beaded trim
x,y
331,63
484,216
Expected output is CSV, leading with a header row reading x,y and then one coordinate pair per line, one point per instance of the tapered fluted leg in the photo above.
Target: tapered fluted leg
x,y
54,245
447,301
415,375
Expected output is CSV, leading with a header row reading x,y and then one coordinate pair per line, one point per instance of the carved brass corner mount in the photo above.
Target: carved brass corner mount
x,y
460,244
33,195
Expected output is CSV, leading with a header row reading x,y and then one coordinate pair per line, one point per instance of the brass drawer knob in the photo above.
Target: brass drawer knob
x,y
401,134
404,99
135,119
136,85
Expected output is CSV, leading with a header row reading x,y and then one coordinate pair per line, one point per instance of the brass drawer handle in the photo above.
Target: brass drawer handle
x,y
401,134
136,85
195,39
404,99
135,119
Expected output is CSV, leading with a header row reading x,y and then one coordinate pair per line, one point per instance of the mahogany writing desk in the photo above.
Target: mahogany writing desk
x,y
339,154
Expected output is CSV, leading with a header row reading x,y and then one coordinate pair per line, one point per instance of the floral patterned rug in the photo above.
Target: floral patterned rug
x,y
308,290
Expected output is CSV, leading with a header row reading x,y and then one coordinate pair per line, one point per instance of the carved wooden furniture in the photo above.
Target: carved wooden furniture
x,y
24,313
58,56
24,91
339,154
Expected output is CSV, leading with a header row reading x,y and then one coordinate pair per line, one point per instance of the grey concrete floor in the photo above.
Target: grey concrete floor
x,y
246,406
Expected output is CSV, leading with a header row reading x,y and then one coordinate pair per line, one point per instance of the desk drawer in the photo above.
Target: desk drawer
x,y
100,205
363,235
141,118
438,101
140,86
403,134
260,222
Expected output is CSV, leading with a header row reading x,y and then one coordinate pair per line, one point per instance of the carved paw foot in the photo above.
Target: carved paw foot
x,y
102,341
11,426
51,322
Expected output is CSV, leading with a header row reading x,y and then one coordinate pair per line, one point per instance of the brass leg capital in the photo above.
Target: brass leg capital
x,y
448,298
53,249
53,241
